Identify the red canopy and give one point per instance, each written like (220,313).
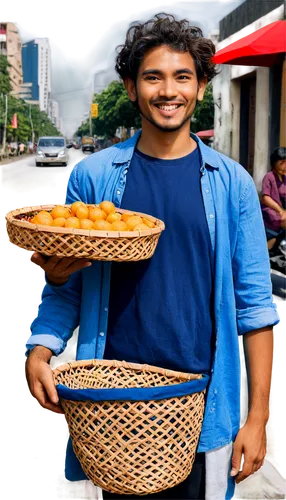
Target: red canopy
(261,48)
(205,133)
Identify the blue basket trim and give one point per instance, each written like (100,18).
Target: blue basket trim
(133,394)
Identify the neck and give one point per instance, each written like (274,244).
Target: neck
(165,145)
(280,176)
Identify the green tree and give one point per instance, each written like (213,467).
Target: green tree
(5,84)
(114,110)
(203,117)
(42,125)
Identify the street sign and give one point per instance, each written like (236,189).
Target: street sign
(94,110)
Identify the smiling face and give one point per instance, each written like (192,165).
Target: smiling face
(166,89)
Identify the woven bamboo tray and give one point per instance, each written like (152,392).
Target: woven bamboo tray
(94,245)
(126,442)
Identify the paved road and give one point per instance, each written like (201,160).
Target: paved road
(27,175)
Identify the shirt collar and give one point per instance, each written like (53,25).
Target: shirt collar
(125,151)
(277,178)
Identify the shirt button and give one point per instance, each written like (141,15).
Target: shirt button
(215,391)
(207,190)
(106,309)
(118,191)
(125,171)
(101,334)
(211,216)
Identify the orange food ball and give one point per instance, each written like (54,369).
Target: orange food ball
(102,225)
(141,227)
(148,222)
(113,217)
(133,221)
(96,214)
(82,212)
(126,216)
(44,218)
(60,211)
(107,206)
(75,206)
(86,224)
(119,225)
(59,222)
(72,222)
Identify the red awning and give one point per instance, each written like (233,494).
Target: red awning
(203,134)
(264,47)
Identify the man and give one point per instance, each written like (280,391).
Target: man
(208,281)
(22,148)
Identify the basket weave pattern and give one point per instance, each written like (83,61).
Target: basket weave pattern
(95,245)
(132,447)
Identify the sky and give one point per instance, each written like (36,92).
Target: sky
(83,38)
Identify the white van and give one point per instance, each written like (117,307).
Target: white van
(52,150)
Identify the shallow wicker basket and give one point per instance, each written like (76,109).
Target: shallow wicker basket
(95,245)
(134,428)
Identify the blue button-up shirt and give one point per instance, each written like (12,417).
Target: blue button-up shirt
(243,292)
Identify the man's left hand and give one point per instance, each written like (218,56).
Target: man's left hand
(250,442)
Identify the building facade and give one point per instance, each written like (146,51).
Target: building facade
(10,46)
(36,57)
(61,126)
(248,99)
(55,113)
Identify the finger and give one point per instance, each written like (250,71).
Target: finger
(38,259)
(76,266)
(65,262)
(39,393)
(49,387)
(236,459)
(258,465)
(51,263)
(54,408)
(247,470)
(41,396)
(46,403)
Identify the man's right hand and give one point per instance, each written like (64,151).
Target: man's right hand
(40,379)
(59,269)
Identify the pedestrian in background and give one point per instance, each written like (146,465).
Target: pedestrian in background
(273,200)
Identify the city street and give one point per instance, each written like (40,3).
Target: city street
(28,175)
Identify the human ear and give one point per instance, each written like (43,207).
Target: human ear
(130,89)
(201,88)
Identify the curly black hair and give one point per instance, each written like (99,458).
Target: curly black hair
(164,29)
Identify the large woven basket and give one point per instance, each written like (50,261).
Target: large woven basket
(134,428)
(95,245)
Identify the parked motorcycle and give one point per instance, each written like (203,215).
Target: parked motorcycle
(277,254)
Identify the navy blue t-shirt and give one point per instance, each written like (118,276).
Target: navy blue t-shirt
(161,309)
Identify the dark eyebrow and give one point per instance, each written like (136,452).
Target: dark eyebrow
(158,72)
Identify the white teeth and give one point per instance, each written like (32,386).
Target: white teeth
(168,107)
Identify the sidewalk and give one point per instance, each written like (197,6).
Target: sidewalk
(15,159)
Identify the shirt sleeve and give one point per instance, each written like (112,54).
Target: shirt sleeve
(59,311)
(251,269)
(266,186)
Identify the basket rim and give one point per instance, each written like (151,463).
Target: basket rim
(10,217)
(133,366)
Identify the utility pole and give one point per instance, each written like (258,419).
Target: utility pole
(32,126)
(99,70)
(92,92)
(5,124)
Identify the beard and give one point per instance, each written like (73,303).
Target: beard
(159,126)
